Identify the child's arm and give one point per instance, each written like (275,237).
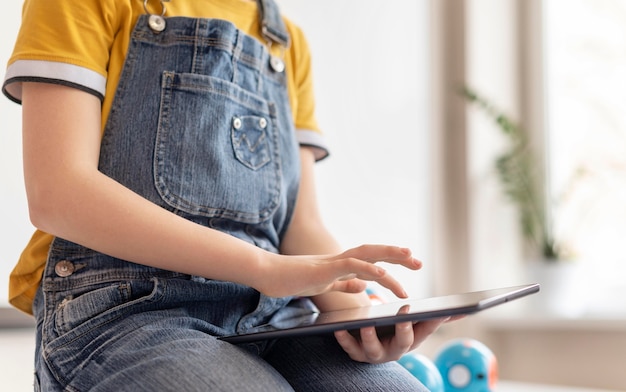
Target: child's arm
(307,234)
(68,197)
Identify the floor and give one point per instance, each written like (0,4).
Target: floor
(508,386)
(16,362)
(16,369)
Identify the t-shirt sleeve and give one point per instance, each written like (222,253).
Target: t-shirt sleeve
(64,42)
(303,97)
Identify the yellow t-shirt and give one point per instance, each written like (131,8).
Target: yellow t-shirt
(83,43)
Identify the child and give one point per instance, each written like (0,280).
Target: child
(168,161)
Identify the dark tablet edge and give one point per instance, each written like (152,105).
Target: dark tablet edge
(522,291)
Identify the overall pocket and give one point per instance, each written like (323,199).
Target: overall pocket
(81,326)
(103,304)
(216,152)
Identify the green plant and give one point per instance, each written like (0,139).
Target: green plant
(520,177)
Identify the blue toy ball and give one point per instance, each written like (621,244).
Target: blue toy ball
(424,370)
(467,365)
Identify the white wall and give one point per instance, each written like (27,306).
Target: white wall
(370,63)
(15,229)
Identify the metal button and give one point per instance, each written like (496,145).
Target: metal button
(156,23)
(64,268)
(277,64)
(262,123)
(237,123)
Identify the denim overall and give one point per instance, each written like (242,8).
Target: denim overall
(201,126)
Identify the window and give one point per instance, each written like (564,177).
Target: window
(585,76)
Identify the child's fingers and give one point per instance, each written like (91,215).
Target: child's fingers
(363,270)
(387,253)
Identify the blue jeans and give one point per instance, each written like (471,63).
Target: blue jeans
(200,126)
(159,334)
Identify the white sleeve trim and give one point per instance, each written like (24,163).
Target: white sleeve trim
(315,140)
(52,72)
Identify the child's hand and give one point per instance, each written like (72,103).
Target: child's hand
(371,348)
(346,272)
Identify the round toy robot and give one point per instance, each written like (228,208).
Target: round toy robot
(375,298)
(424,370)
(467,365)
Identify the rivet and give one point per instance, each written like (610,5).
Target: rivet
(237,123)
(64,268)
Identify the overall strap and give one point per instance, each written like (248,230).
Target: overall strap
(272,26)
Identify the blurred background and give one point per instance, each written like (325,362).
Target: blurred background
(487,135)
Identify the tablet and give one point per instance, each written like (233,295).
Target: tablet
(296,321)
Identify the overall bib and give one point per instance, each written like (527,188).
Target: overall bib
(201,126)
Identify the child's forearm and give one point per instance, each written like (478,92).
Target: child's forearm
(68,197)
